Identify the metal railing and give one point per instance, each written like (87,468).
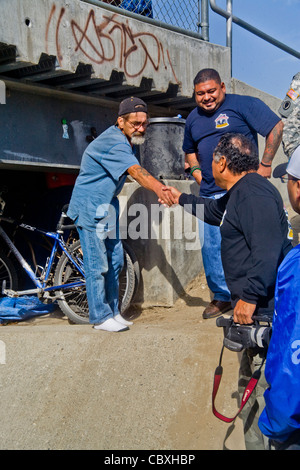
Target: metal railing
(234,19)
(180,15)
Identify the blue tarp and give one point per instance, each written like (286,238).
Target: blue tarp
(22,308)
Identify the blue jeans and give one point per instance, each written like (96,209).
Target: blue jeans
(103,261)
(210,239)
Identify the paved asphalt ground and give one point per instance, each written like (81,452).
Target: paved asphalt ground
(69,387)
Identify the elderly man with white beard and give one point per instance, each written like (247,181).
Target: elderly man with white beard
(94,208)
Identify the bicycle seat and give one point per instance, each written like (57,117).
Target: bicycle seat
(65,208)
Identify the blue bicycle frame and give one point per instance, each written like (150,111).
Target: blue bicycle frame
(41,282)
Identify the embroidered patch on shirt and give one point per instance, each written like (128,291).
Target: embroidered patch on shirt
(221,121)
(292,94)
(290,234)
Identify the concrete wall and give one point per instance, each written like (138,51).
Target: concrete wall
(77,32)
(31,131)
(165,241)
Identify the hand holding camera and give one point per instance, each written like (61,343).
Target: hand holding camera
(238,337)
(243,312)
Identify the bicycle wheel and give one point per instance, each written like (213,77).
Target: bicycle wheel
(136,267)
(73,300)
(127,281)
(8,273)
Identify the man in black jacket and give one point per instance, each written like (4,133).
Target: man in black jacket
(254,241)
(253,226)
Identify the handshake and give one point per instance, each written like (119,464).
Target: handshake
(169,196)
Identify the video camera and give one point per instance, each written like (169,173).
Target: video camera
(238,337)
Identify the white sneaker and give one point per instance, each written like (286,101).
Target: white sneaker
(122,320)
(111,325)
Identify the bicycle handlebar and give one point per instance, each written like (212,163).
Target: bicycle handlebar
(61,225)
(67,227)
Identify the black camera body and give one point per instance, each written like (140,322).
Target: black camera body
(238,337)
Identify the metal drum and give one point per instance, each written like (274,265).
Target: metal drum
(162,153)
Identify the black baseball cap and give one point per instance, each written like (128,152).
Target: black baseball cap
(292,167)
(280,170)
(132,105)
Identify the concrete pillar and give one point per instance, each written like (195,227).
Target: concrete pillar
(165,241)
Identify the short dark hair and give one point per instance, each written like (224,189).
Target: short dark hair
(207,74)
(240,152)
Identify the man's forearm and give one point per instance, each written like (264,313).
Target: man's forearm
(193,162)
(206,209)
(273,140)
(145,179)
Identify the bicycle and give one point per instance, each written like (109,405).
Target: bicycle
(62,277)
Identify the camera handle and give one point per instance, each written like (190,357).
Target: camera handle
(246,395)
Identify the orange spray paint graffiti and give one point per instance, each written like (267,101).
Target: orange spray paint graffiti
(110,40)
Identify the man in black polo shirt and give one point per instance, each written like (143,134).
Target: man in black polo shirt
(253,226)
(254,241)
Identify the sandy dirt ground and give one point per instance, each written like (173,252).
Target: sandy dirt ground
(66,387)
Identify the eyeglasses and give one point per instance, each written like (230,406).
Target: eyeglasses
(137,125)
(284,178)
